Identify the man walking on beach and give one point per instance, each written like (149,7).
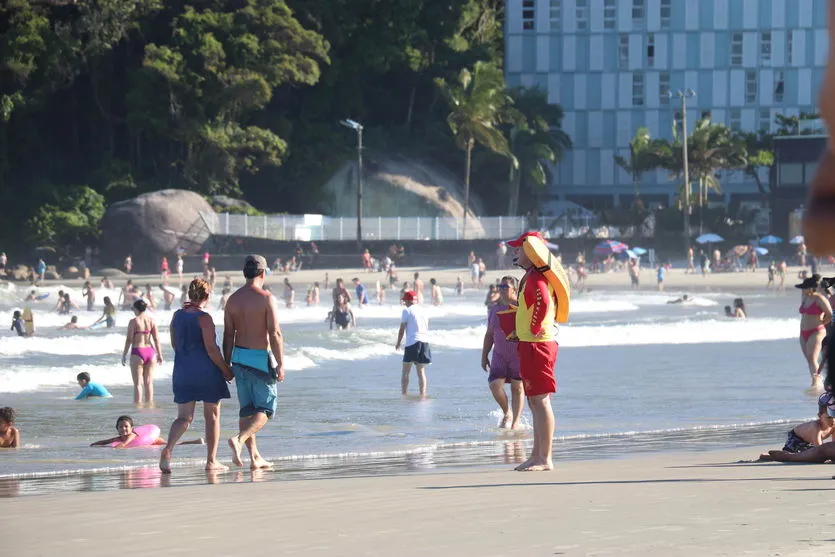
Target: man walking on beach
(251,335)
(536,330)
(415,325)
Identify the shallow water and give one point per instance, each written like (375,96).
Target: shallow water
(635,375)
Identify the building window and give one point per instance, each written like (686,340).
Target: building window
(789,46)
(528,14)
(664,87)
(791,174)
(638,14)
(623,51)
(637,89)
(651,50)
(736,50)
(610,14)
(765,120)
(735,119)
(666,13)
(556,15)
(765,48)
(750,86)
(779,86)
(582,14)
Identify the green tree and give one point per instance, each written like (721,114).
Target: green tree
(478,103)
(759,149)
(712,149)
(536,137)
(643,157)
(70,221)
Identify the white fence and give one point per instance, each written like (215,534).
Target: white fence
(307,228)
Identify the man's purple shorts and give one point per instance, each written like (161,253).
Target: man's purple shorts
(504,368)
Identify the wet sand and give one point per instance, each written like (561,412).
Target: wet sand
(665,505)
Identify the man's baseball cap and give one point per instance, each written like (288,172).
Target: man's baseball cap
(517,243)
(409,296)
(255,263)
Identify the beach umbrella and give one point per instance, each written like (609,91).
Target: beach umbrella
(761,251)
(797,240)
(639,251)
(709,238)
(630,254)
(609,247)
(767,240)
(740,250)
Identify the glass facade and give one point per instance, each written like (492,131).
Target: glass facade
(611,63)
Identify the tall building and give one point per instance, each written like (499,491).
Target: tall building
(611,64)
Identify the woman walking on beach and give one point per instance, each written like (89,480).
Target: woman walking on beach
(200,374)
(815,314)
(145,352)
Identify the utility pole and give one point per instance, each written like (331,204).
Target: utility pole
(357,127)
(683,96)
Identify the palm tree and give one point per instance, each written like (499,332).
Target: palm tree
(712,148)
(643,157)
(478,103)
(535,137)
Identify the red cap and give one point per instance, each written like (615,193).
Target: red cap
(517,243)
(409,296)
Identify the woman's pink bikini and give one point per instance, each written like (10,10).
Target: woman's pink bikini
(146,353)
(806,334)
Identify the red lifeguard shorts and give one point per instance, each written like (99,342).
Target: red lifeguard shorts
(536,365)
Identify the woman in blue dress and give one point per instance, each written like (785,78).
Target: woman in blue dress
(200,374)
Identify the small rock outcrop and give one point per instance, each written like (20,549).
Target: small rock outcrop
(152,225)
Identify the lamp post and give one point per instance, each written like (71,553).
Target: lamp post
(683,96)
(357,127)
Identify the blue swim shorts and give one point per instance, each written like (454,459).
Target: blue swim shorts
(257,391)
(417,353)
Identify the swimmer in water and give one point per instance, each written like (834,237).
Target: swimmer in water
(73,324)
(9,434)
(124,425)
(680,300)
(341,314)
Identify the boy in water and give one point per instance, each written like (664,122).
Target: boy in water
(90,389)
(9,435)
(808,435)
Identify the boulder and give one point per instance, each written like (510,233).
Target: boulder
(152,225)
(52,275)
(72,272)
(21,272)
(112,273)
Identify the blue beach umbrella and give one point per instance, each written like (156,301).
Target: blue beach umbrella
(761,251)
(769,240)
(709,238)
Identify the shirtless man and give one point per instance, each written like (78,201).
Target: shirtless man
(418,287)
(251,334)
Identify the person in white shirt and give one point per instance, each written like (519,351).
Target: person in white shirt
(415,325)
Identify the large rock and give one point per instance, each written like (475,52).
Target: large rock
(152,225)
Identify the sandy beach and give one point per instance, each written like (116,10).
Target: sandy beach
(672,505)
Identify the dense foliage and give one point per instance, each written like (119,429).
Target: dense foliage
(221,96)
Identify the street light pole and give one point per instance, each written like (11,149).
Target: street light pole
(683,96)
(357,127)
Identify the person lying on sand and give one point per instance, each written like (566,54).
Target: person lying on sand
(805,442)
